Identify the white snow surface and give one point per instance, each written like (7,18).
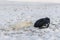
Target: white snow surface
(13,13)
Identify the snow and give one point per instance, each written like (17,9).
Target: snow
(10,14)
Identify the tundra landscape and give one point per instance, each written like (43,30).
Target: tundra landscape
(17,20)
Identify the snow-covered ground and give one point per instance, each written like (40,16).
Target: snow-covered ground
(10,14)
